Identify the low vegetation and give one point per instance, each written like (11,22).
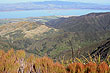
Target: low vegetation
(17,62)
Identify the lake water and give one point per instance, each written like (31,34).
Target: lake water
(36,13)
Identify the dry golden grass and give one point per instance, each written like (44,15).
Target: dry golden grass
(16,62)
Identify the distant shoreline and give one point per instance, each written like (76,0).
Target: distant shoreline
(49,9)
(40,13)
(52,5)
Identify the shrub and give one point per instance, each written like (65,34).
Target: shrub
(16,62)
(103,67)
(91,67)
(76,68)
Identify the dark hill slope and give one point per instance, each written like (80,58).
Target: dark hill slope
(103,50)
(90,23)
(87,26)
(91,28)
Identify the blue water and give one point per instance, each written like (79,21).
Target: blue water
(36,13)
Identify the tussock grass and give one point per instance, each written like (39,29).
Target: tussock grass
(16,62)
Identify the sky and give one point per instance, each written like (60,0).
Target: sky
(86,1)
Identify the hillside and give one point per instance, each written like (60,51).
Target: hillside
(23,29)
(91,27)
(86,25)
(51,5)
(89,22)
(42,19)
(59,36)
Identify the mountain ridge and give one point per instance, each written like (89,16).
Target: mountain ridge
(99,19)
(49,5)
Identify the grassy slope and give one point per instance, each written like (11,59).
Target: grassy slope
(83,31)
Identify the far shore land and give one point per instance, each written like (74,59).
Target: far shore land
(50,9)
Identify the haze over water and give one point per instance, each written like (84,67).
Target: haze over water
(37,13)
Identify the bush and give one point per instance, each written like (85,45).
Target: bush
(16,62)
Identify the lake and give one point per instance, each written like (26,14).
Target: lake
(37,13)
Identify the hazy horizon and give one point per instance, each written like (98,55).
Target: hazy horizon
(85,1)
